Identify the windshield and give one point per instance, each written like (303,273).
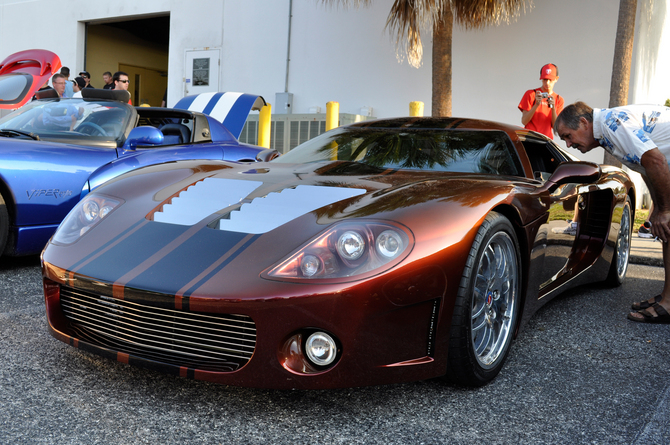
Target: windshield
(465,151)
(77,120)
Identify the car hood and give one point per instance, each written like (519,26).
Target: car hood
(258,198)
(23,73)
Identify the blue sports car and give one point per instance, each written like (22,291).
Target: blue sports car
(53,151)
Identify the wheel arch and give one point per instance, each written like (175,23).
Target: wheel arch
(10,205)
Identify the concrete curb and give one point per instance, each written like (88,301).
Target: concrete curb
(646,260)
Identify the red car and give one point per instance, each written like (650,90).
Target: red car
(379,252)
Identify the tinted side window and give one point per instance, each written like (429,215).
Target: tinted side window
(543,160)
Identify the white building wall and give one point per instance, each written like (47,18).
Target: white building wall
(345,55)
(651,64)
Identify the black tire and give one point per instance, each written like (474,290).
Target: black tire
(619,266)
(487,305)
(4,224)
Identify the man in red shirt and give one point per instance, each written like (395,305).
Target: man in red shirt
(540,106)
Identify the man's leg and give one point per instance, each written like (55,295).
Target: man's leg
(665,294)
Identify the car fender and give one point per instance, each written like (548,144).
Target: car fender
(48,196)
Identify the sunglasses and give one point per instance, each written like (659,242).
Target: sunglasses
(124,81)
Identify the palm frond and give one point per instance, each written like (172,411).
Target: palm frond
(409,17)
(479,13)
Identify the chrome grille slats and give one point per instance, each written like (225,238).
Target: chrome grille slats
(84,312)
(221,342)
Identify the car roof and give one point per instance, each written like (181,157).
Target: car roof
(447,123)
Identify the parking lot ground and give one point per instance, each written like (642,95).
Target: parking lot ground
(579,373)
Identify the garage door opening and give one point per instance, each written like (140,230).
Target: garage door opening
(138,47)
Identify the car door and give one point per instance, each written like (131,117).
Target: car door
(556,247)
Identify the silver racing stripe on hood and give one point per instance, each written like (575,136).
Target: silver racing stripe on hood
(204,198)
(258,216)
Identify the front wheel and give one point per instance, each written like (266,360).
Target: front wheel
(487,305)
(619,265)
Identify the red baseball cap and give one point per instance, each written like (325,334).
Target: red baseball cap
(549,71)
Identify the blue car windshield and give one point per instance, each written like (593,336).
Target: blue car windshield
(464,151)
(80,121)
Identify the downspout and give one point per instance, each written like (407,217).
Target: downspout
(288,44)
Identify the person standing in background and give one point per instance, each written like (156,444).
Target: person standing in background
(121,82)
(87,77)
(65,71)
(540,106)
(109,81)
(58,81)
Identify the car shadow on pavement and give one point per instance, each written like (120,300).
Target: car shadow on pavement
(8,262)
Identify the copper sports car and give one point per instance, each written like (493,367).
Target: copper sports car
(379,252)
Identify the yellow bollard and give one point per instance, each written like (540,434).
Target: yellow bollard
(265,126)
(416,109)
(332,115)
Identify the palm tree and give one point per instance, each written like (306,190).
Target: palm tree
(623,54)
(409,17)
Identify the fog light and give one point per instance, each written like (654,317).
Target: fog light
(321,349)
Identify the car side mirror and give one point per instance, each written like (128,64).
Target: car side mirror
(267,155)
(145,135)
(572,172)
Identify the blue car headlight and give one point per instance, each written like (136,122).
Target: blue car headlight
(83,217)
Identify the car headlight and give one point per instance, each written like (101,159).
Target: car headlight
(83,217)
(346,250)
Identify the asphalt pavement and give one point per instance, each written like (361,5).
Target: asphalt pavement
(579,373)
(646,251)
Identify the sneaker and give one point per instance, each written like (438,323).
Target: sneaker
(644,232)
(570,230)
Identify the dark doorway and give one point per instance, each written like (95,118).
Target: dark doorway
(138,47)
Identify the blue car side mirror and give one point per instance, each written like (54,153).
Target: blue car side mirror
(143,136)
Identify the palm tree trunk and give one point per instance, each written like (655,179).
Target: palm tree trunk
(623,55)
(442,35)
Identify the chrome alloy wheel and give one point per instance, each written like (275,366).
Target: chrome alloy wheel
(623,244)
(495,299)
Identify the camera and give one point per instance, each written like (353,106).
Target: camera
(544,95)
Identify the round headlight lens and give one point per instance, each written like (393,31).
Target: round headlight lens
(321,349)
(389,243)
(310,265)
(105,210)
(91,210)
(350,245)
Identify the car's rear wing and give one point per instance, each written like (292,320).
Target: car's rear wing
(23,73)
(231,109)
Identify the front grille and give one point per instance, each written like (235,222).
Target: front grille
(212,342)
